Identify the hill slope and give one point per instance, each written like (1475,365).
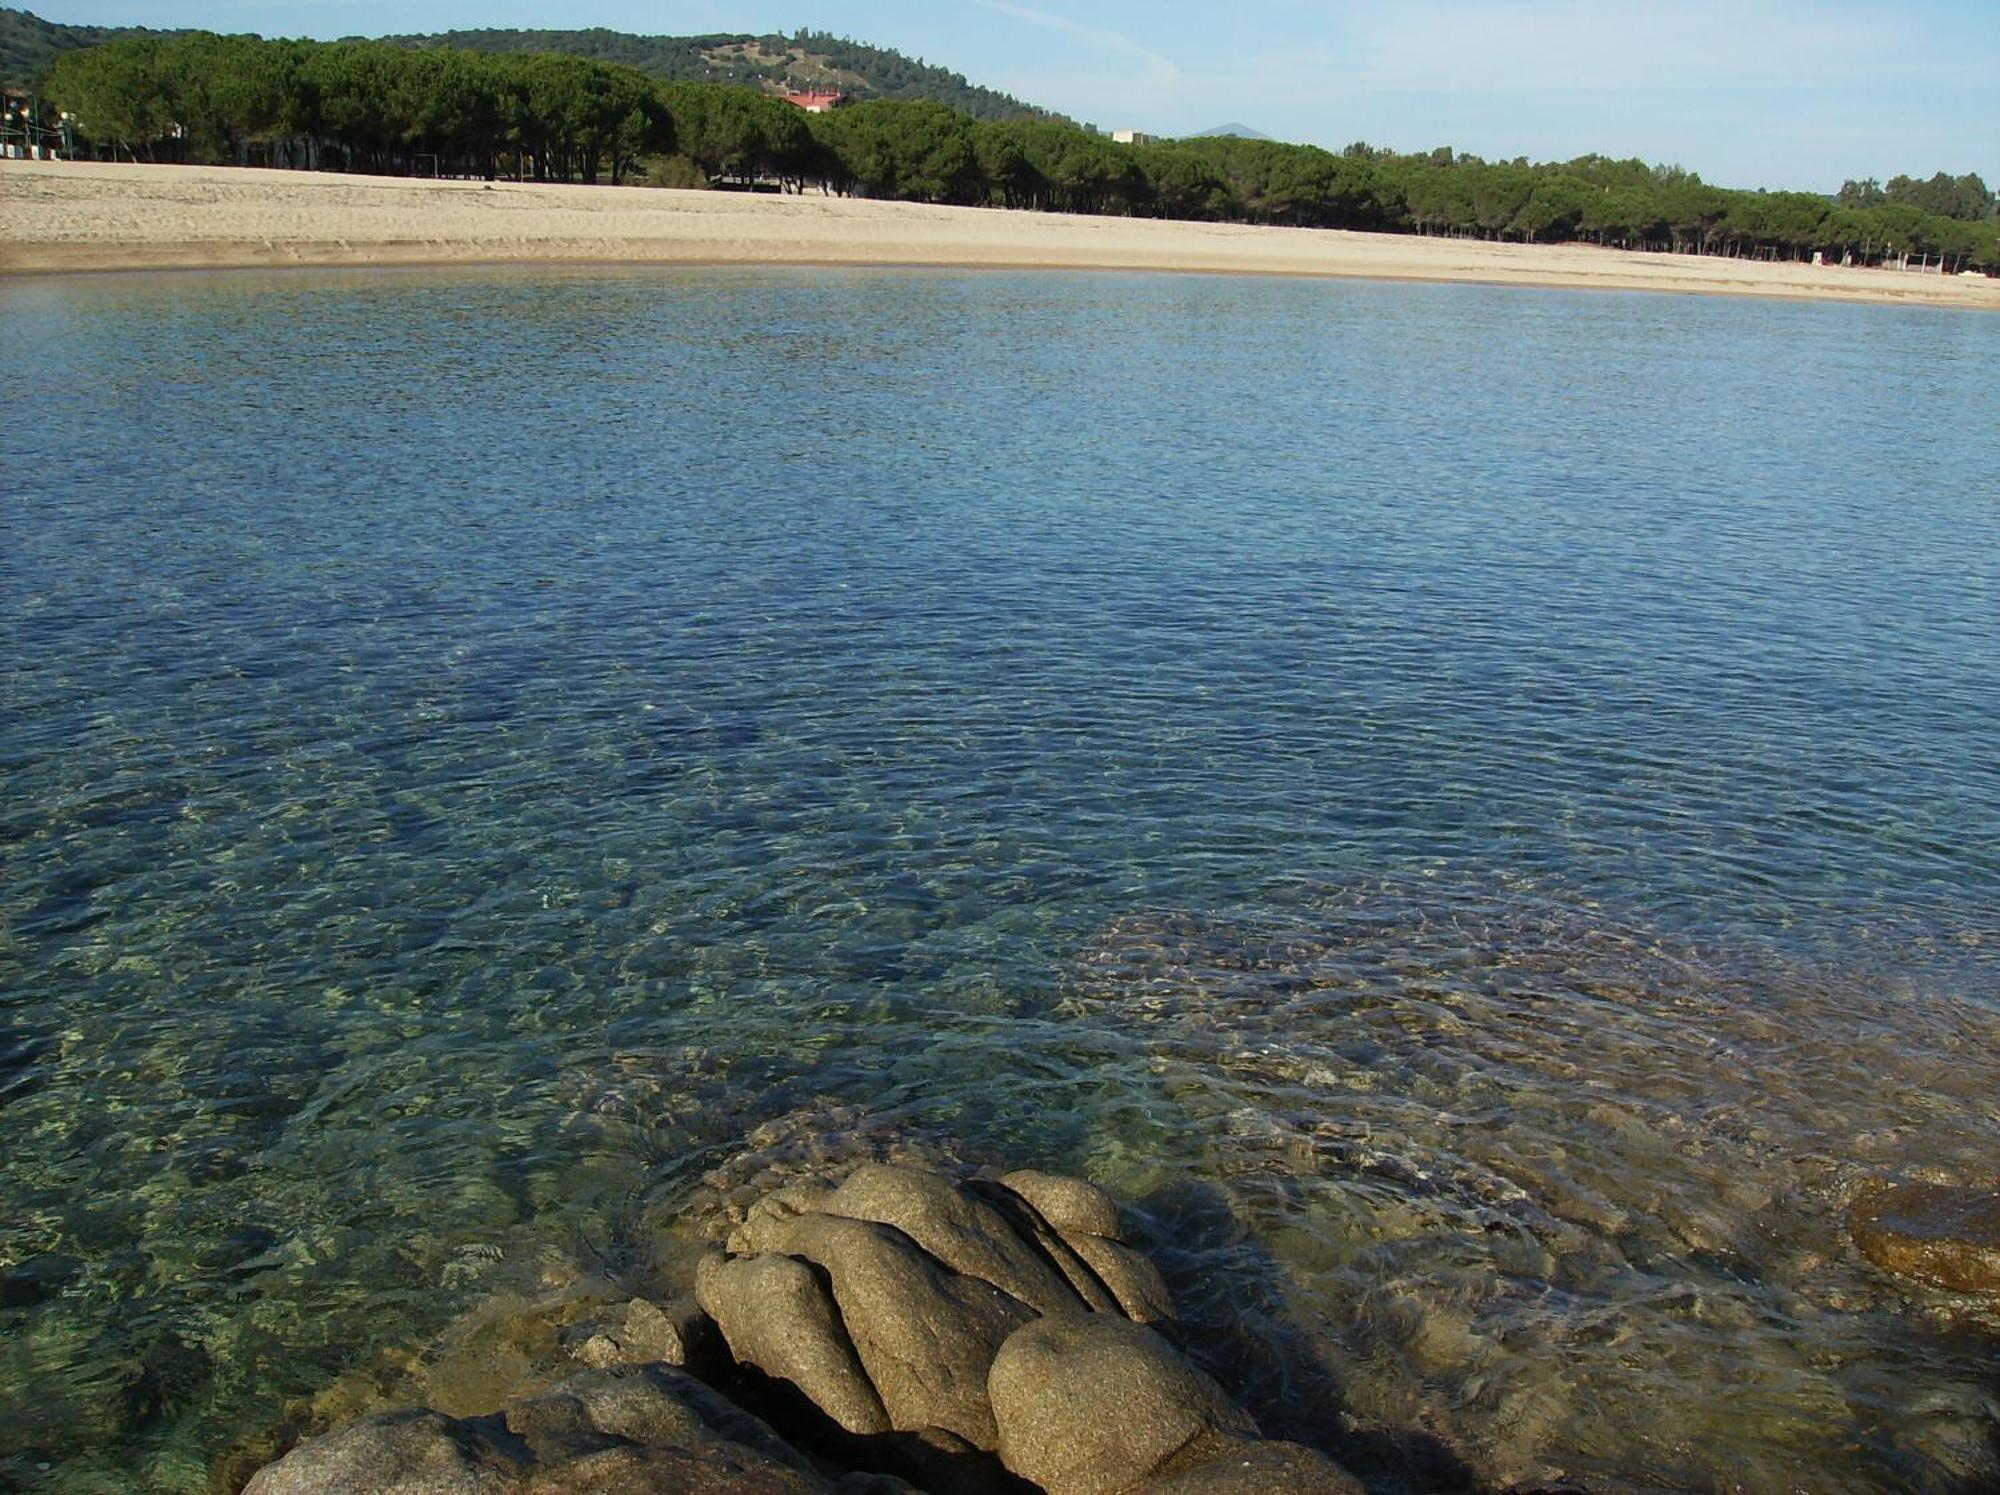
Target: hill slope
(28,44)
(771,62)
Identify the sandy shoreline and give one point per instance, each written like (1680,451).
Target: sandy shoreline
(58,217)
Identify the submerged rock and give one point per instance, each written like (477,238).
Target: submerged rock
(633,1429)
(640,1332)
(1947,1237)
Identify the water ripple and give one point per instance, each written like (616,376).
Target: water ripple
(1477,806)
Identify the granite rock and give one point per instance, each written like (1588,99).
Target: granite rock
(972,1335)
(641,1332)
(925,1335)
(635,1429)
(1096,1405)
(955,1226)
(1242,1467)
(776,1314)
(1070,1205)
(415,1452)
(1130,1276)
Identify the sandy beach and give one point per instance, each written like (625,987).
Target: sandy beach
(58,217)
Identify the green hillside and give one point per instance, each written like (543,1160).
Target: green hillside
(773,63)
(29,44)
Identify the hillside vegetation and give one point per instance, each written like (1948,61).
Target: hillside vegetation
(772,63)
(372,106)
(29,45)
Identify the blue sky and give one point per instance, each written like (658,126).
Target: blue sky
(1747,92)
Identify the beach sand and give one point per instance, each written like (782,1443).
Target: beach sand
(79,216)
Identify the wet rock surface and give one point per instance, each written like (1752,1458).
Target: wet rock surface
(639,1332)
(1944,1236)
(906,1328)
(641,1428)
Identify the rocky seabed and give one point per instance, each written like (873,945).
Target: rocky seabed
(900,1329)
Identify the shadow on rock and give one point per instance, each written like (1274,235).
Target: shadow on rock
(931,1459)
(885,1327)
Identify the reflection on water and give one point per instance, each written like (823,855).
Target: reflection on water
(1475,807)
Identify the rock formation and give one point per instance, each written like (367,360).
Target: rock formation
(972,1334)
(620,1432)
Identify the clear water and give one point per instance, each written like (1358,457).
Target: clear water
(1481,807)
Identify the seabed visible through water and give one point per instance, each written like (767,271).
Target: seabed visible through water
(1472,809)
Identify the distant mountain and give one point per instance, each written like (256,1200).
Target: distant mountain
(28,44)
(1241,132)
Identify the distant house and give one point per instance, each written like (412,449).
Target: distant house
(1133,137)
(817,100)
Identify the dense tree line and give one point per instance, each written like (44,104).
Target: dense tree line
(1962,197)
(29,44)
(372,106)
(362,106)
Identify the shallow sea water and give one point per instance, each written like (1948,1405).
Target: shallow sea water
(1479,809)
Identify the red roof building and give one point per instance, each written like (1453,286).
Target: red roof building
(817,100)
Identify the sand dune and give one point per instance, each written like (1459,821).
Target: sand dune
(75,216)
